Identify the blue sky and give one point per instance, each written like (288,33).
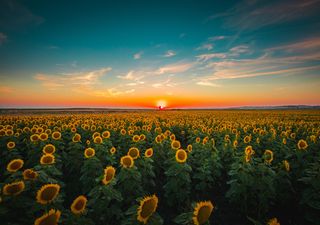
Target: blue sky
(207,53)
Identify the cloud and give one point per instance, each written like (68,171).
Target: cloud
(207,83)
(206,46)
(115,92)
(170,53)
(138,55)
(166,83)
(240,49)
(206,57)
(174,68)
(3,38)
(14,15)
(216,38)
(83,79)
(304,45)
(133,76)
(252,15)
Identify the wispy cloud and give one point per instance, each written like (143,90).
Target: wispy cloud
(3,38)
(138,55)
(216,38)
(205,46)
(304,45)
(206,57)
(174,68)
(251,15)
(83,79)
(170,53)
(240,49)
(207,83)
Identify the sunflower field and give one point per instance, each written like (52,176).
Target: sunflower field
(161,167)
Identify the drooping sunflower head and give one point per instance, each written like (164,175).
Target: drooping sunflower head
(76,138)
(47,159)
(302,144)
(98,140)
(78,205)
(50,218)
(202,212)
(89,152)
(15,165)
(14,188)
(30,174)
(181,156)
(127,161)
(49,149)
(113,150)
(109,173)
(273,221)
(56,135)
(268,156)
(48,193)
(106,134)
(148,153)
(135,138)
(43,136)
(286,165)
(11,145)
(134,152)
(147,207)
(175,144)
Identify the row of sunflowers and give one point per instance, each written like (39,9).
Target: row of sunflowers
(167,167)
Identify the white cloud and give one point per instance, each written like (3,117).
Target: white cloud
(206,57)
(138,55)
(206,46)
(216,38)
(174,68)
(207,83)
(82,79)
(170,53)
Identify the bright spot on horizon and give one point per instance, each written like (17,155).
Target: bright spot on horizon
(161,104)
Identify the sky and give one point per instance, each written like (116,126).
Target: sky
(142,53)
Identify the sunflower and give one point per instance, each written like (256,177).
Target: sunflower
(95,134)
(30,174)
(175,144)
(142,137)
(181,156)
(135,138)
(172,137)
(235,143)
(158,139)
(43,136)
(15,165)
(14,188)
(79,205)
(76,138)
(189,148)
(148,153)
(273,221)
(89,152)
(202,212)
(293,135)
(9,132)
(106,134)
(56,135)
(302,144)
(49,149)
(249,150)
(123,131)
(98,140)
(198,139)
(47,159)
(47,193)
(34,137)
(50,218)
(247,139)
(284,141)
(268,156)
(127,161)
(109,173)
(286,165)
(113,150)
(11,145)
(134,152)
(147,207)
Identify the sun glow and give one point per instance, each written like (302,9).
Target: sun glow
(161,104)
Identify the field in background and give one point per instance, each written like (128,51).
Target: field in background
(160,167)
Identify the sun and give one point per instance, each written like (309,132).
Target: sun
(161,104)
